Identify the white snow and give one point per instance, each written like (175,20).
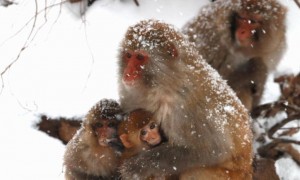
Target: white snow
(71,64)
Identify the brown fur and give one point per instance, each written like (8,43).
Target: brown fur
(206,125)
(84,157)
(212,30)
(61,128)
(264,169)
(131,127)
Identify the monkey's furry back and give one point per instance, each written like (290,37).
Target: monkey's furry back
(188,97)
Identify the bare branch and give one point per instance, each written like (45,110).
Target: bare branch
(6,3)
(29,39)
(281,124)
(297,2)
(289,149)
(90,50)
(32,18)
(137,3)
(23,47)
(277,148)
(270,109)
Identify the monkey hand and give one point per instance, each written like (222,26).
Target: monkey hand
(156,162)
(136,168)
(115,144)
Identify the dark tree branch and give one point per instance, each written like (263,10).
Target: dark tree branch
(136,2)
(297,2)
(277,126)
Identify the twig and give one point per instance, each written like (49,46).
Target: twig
(288,148)
(6,3)
(282,123)
(137,3)
(60,10)
(271,149)
(297,2)
(23,47)
(29,39)
(270,107)
(90,50)
(32,18)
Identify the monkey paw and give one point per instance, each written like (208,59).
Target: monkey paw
(129,170)
(136,168)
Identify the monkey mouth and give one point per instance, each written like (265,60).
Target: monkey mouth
(245,43)
(103,143)
(154,142)
(111,140)
(130,79)
(106,142)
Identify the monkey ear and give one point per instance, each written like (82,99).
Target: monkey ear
(125,140)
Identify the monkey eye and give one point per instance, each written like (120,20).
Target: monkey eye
(98,125)
(251,21)
(140,57)
(143,132)
(152,125)
(111,124)
(128,55)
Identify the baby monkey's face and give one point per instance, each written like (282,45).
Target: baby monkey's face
(150,134)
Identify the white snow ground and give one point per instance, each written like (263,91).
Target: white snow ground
(70,65)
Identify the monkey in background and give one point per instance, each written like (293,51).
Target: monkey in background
(94,152)
(207,128)
(243,40)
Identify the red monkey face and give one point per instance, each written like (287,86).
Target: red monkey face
(247,29)
(145,51)
(106,131)
(150,134)
(135,62)
(258,27)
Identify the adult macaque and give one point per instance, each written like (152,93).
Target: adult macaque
(206,126)
(243,40)
(93,152)
(138,132)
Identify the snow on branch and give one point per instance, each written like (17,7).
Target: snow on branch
(279,139)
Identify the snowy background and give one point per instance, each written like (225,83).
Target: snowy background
(70,63)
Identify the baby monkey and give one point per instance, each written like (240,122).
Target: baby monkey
(138,132)
(94,152)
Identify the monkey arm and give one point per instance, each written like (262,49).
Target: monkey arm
(248,82)
(162,160)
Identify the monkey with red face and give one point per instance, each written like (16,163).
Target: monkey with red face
(94,152)
(243,40)
(207,127)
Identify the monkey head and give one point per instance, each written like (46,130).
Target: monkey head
(256,24)
(102,120)
(146,46)
(138,129)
